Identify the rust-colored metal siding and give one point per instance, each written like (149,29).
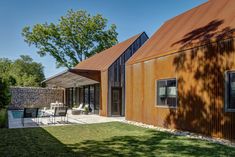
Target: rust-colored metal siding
(192,28)
(200,74)
(103,60)
(104,93)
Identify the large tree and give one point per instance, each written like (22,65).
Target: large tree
(21,72)
(76,36)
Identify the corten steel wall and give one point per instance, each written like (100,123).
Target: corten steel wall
(104,93)
(201,77)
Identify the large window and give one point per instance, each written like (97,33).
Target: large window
(167,92)
(230,91)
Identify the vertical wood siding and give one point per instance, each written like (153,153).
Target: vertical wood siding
(200,103)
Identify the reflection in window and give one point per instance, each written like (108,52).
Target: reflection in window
(230,91)
(167,93)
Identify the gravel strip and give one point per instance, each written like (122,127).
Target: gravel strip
(182,133)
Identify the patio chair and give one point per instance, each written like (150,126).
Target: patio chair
(60,112)
(77,111)
(83,108)
(56,104)
(29,113)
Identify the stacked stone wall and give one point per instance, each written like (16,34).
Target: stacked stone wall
(34,97)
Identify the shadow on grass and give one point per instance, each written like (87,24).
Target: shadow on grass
(31,142)
(153,144)
(39,142)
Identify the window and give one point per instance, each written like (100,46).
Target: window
(92,99)
(86,95)
(167,93)
(230,91)
(97,97)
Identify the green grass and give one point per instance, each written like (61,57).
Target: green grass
(3,118)
(106,139)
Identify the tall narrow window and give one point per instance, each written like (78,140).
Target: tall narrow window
(97,97)
(86,95)
(230,92)
(92,98)
(167,92)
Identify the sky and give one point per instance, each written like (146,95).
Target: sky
(130,16)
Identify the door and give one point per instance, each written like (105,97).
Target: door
(116,101)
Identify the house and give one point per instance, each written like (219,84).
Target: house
(183,77)
(99,80)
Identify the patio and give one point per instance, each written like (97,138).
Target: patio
(72,119)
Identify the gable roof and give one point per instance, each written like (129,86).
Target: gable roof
(103,60)
(208,22)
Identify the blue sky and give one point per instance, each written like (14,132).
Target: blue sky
(130,16)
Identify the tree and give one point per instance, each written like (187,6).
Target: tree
(26,72)
(76,36)
(21,72)
(5,71)
(5,96)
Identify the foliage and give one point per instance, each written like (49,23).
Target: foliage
(86,109)
(5,96)
(3,118)
(105,139)
(76,36)
(21,72)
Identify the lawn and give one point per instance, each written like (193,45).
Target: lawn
(106,139)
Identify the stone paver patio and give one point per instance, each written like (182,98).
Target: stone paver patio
(72,119)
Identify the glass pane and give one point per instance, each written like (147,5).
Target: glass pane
(171,93)
(92,98)
(81,96)
(86,95)
(97,97)
(74,96)
(115,98)
(231,91)
(171,88)
(166,92)
(171,101)
(161,90)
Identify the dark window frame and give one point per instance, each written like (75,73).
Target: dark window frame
(227,92)
(156,93)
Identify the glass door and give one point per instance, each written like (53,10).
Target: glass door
(116,101)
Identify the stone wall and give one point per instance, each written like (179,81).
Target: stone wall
(34,97)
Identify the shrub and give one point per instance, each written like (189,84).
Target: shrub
(3,118)
(5,96)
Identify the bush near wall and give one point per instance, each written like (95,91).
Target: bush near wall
(3,118)
(34,97)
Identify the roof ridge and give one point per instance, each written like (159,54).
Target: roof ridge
(185,12)
(212,20)
(110,47)
(102,60)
